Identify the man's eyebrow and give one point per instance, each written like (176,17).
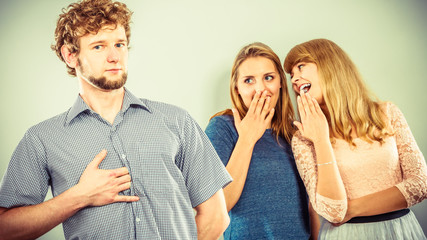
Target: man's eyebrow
(97,42)
(104,41)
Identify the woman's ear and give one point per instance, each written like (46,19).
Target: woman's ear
(69,57)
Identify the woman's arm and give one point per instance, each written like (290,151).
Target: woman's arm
(314,223)
(316,161)
(385,201)
(250,130)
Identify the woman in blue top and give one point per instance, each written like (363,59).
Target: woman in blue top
(267,198)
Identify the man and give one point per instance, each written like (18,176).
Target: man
(152,164)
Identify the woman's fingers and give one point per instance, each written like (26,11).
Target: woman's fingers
(307,102)
(301,109)
(266,109)
(236,116)
(317,106)
(299,126)
(254,103)
(261,102)
(270,115)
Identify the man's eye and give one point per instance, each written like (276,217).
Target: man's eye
(120,45)
(97,47)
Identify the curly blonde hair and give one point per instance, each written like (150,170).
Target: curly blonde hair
(348,101)
(281,123)
(88,17)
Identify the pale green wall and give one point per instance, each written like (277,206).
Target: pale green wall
(182,52)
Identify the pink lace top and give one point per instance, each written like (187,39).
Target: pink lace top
(368,168)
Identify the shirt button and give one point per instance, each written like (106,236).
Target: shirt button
(123,156)
(137,219)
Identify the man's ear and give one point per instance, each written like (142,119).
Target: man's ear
(69,57)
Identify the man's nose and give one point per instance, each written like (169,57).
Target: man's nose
(113,55)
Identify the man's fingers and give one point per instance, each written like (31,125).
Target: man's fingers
(119,171)
(123,186)
(123,179)
(98,159)
(124,198)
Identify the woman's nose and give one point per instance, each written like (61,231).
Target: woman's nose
(295,77)
(260,86)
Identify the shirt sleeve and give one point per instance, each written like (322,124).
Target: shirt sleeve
(412,162)
(26,180)
(201,167)
(305,157)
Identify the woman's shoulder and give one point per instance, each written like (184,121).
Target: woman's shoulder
(225,119)
(390,110)
(221,124)
(388,107)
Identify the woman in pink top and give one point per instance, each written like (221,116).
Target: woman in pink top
(356,155)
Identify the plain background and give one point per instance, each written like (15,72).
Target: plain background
(182,53)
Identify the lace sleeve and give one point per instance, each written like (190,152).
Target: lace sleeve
(412,162)
(305,157)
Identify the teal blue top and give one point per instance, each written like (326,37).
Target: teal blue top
(274,203)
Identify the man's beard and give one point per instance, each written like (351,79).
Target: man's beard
(103,82)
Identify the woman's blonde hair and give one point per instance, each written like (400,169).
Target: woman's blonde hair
(88,16)
(281,123)
(347,99)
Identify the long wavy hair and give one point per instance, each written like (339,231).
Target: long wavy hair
(281,123)
(348,101)
(84,17)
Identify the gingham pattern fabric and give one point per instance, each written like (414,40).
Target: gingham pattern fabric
(171,161)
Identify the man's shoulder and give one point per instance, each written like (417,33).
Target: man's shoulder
(48,125)
(163,108)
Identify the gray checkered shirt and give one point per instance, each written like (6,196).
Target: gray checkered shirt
(171,161)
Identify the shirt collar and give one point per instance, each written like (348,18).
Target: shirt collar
(129,100)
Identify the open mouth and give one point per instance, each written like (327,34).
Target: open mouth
(305,87)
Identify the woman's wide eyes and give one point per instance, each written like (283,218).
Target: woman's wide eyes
(248,80)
